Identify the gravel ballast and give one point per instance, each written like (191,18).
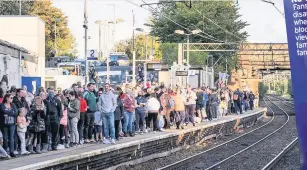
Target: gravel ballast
(192,150)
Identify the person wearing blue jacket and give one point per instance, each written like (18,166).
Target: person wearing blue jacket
(206,98)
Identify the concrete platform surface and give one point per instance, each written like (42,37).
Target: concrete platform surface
(87,153)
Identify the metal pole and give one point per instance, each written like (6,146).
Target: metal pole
(85,41)
(114,22)
(19,7)
(107,54)
(188,57)
(133,58)
(100,55)
(55,46)
(188,49)
(226,64)
(145,64)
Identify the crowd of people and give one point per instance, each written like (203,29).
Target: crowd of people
(54,119)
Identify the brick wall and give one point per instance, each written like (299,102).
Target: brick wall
(143,149)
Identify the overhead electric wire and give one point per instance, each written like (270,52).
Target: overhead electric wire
(200,29)
(183,26)
(218,25)
(172,21)
(269,1)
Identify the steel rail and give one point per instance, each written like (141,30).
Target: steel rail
(243,150)
(286,149)
(193,156)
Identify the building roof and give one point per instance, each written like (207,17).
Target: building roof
(5,43)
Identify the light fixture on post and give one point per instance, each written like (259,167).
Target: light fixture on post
(181,32)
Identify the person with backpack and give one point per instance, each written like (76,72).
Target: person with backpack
(237,101)
(37,125)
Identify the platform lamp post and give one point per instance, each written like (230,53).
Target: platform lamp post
(188,40)
(100,22)
(146,51)
(181,32)
(55,34)
(106,23)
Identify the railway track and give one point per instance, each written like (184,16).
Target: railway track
(233,153)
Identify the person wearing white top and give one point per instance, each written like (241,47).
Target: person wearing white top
(152,107)
(190,106)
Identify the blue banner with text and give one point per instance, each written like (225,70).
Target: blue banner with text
(296,22)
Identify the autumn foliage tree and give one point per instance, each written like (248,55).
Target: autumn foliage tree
(65,42)
(140,47)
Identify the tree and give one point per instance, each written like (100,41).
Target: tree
(262,89)
(200,16)
(290,92)
(140,46)
(65,42)
(170,54)
(12,7)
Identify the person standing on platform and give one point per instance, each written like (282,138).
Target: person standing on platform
(152,107)
(208,111)
(73,116)
(251,100)
(190,106)
(179,109)
(200,103)
(22,125)
(237,101)
(8,116)
(118,113)
(214,105)
(129,106)
(107,105)
(140,113)
(83,108)
(55,113)
(90,98)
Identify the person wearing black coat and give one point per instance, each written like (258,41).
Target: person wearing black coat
(54,113)
(118,115)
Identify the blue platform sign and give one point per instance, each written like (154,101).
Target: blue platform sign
(296,22)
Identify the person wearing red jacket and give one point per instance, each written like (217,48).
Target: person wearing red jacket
(83,108)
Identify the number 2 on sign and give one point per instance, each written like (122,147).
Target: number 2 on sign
(92,53)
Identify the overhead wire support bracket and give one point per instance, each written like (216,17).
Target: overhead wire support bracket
(170,1)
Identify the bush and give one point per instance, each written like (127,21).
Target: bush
(290,92)
(262,90)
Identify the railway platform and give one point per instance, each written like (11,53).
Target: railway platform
(131,150)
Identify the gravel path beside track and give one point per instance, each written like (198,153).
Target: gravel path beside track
(290,161)
(184,153)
